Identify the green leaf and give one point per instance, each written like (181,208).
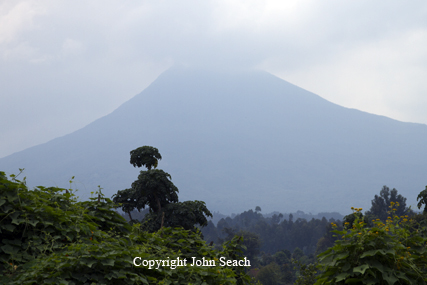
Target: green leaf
(342,255)
(10,228)
(341,277)
(390,278)
(15,220)
(361,269)
(89,263)
(33,223)
(372,253)
(10,249)
(109,262)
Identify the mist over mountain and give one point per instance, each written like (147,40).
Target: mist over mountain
(238,140)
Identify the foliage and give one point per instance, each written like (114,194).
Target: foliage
(306,273)
(154,189)
(147,156)
(181,214)
(269,274)
(386,253)
(50,238)
(423,200)
(349,220)
(46,219)
(274,235)
(298,253)
(328,238)
(251,242)
(127,200)
(379,208)
(110,261)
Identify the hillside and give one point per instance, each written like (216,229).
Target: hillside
(237,141)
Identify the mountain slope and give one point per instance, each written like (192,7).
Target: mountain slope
(238,141)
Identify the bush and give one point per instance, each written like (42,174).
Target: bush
(50,238)
(386,253)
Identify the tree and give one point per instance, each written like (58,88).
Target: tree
(147,156)
(423,200)
(252,242)
(180,214)
(269,275)
(154,189)
(126,199)
(48,237)
(380,204)
(298,253)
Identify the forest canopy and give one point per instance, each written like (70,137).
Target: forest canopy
(50,237)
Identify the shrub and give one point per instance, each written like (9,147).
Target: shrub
(48,237)
(386,253)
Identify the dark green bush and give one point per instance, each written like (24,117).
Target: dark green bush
(50,238)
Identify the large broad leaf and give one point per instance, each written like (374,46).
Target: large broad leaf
(353,281)
(390,278)
(342,255)
(402,276)
(375,264)
(377,251)
(33,222)
(88,262)
(15,218)
(9,227)
(341,277)
(10,249)
(109,262)
(361,269)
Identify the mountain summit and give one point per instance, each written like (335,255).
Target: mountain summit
(236,141)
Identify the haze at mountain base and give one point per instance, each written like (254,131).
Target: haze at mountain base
(236,141)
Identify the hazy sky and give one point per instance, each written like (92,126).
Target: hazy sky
(64,64)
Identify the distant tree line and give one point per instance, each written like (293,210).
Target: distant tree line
(275,233)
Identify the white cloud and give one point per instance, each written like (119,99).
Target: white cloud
(84,58)
(382,77)
(72,47)
(16,18)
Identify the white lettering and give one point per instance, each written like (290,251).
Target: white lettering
(134,263)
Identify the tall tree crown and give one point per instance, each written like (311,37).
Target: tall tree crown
(154,189)
(381,204)
(147,156)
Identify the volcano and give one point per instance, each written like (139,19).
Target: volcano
(237,141)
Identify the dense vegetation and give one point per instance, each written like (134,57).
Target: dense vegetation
(49,237)
(386,245)
(276,233)
(155,190)
(284,251)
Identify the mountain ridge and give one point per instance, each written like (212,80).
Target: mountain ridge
(237,141)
